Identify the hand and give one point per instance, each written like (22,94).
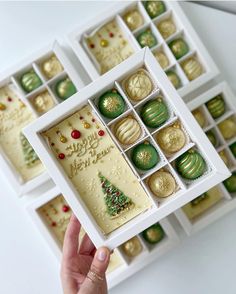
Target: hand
(83,267)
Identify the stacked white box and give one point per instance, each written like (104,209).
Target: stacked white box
(184,29)
(11,77)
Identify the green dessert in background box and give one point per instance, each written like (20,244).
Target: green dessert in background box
(174,78)
(212,138)
(230,183)
(216,106)
(30,81)
(147,38)
(233,149)
(153,234)
(65,88)
(191,165)
(154,8)
(179,47)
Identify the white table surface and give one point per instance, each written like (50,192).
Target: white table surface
(204,263)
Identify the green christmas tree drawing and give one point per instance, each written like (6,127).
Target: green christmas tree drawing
(115,200)
(29,154)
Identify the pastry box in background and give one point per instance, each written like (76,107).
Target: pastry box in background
(215,111)
(160,25)
(27,91)
(126,151)
(51,214)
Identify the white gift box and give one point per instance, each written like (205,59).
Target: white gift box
(125,267)
(228,200)
(216,171)
(183,29)
(11,78)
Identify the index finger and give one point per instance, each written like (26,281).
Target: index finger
(71,240)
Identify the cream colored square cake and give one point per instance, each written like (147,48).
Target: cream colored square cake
(109,46)
(14,116)
(97,169)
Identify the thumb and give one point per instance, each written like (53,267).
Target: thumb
(95,281)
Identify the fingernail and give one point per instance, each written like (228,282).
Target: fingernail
(102,254)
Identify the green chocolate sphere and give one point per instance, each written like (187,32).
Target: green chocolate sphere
(111,104)
(144,156)
(174,78)
(30,81)
(179,48)
(154,113)
(147,38)
(153,234)
(230,183)
(233,148)
(154,8)
(65,88)
(216,106)
(211,136)
(190,165)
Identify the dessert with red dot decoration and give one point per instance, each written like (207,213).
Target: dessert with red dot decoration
(56,215)
(95,166)
(14,147)
(57,211)
(108,45)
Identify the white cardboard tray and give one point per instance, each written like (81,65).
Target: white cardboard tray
(216,171)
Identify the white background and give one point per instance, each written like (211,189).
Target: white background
(203,264)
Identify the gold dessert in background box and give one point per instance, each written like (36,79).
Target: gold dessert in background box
(97,169)
(14,116)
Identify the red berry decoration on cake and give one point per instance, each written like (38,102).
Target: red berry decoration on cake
(101,133)
(75,134)
(61,155)
(65,208)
